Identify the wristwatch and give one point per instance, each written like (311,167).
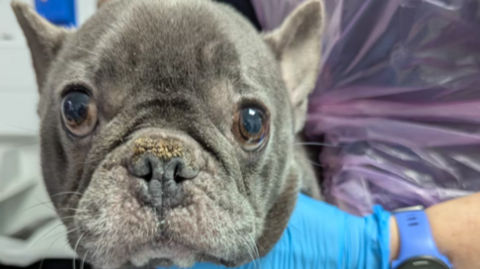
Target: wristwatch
(417,246)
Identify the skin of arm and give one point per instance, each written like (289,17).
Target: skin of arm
(455,226)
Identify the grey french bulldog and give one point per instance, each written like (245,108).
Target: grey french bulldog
(169,129)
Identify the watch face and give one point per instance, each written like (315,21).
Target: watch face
(423,263)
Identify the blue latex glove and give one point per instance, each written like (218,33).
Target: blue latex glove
(321,236)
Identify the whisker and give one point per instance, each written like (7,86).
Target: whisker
(37,205)
(73,209)
(314,144)
(14,146)
(53,208)
(311,162)
(66,233)
(87,51)
(18,127)
(250,251)
(41,237)
(41,263)
(257,253)
(66,193)
(76,248)
(252,255)
(51,245)
(83,260)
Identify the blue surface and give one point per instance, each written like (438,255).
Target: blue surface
(59,12)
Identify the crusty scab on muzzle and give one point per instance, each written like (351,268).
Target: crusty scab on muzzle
(169,129)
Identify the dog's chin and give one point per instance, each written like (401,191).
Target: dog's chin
(166,256)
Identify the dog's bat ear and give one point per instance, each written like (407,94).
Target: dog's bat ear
(43,38)
(101,2)
(297,46)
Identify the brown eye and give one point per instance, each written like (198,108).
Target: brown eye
(251,128)
(79,113)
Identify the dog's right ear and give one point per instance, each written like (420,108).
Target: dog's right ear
(44,39)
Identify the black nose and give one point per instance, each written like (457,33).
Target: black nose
(150,167)
(163,178)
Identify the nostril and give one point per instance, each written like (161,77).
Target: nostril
(176,176)
(150,167)
(142,168)
(149,175)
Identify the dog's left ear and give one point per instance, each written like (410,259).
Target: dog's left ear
(296,44)
(44,39)
(101,2)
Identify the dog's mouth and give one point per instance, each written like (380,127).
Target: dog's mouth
(166,252)
(169,256)
(166,263)
(115,228)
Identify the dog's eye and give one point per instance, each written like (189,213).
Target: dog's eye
(79,113)
(251,128)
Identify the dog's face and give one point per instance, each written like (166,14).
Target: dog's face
(167,128)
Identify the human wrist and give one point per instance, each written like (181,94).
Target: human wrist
(413,239)
(394,239)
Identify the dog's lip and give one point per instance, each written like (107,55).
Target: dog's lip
(162,251)
(165,240)
(171,245)
(165,262)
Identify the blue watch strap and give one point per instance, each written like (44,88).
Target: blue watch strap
(416,238)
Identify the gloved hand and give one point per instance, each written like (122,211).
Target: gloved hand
(321,236)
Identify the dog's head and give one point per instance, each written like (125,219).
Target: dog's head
(167,128)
